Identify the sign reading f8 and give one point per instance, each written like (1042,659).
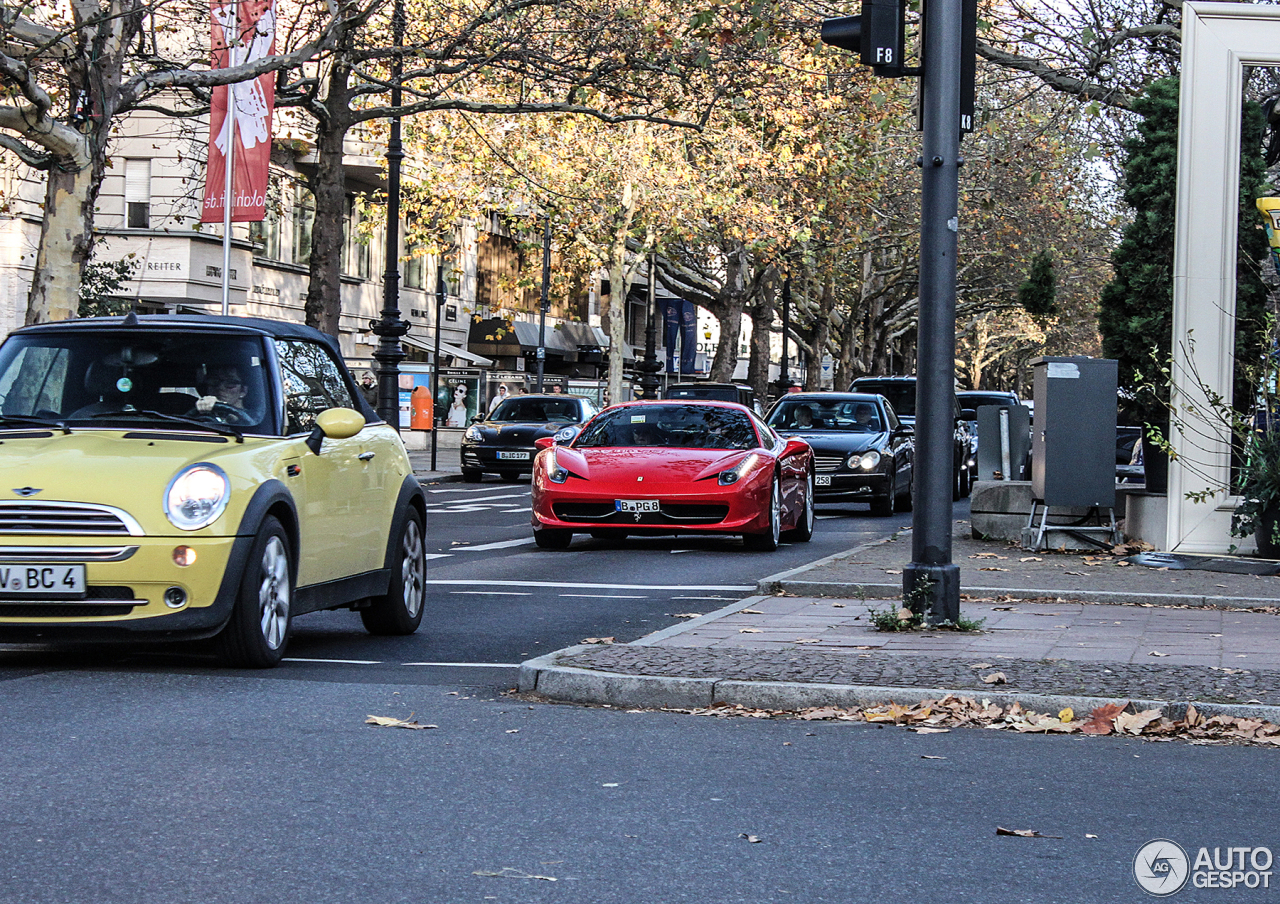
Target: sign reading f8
(878,35)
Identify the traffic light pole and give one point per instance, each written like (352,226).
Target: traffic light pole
(931,581)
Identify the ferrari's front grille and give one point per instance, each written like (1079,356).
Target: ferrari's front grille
(826,462)
(64,519)
(671,513)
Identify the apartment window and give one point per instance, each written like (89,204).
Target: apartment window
(415,268)
(304,217)
(137,194)
(266,235)
(355,246)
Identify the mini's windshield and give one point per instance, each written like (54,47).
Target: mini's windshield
(683,426)
(842,415)
(537,411)
(134,376)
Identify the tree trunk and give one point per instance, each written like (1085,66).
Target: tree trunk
(762,313)
(324,293)
(821,331)
(66,241)
(619,286)
(729,315)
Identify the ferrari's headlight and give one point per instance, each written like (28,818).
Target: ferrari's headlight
(742,469)
(555,473)
(865,460)
(473,434)
(196,496)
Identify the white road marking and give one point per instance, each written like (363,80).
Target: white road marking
(439,555)
(470,665)
(488,489)
(342,661)
(607,596)
(485,499)
(569,585)
(504,544)
(483,592)
(465,507)
(722,599)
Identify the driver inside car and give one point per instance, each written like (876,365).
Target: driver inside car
(224,388)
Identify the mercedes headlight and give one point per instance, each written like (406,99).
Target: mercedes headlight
(473,434)
(196,496)
(865,460)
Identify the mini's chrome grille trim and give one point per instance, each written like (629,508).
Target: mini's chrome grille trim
(65,519)
(66,553)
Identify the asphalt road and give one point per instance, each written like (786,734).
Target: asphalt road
(153,776)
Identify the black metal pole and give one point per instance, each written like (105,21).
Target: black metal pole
(389,328)
(649,367)
(546,298)
(784,374)
(931,578)
(435,361)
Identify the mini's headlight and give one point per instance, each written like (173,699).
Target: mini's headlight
(865,460)
(473,434)
(555,473)
(196,496)
(734,474)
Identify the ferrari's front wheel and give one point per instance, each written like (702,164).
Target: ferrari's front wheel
(803,531)
(399,610)
(768,541)
(552,538)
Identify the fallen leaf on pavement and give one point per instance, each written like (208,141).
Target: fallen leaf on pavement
(749,631)
(750,612)
(388,722)
(687,615)
(597,640)
(987,555)
(1083,574)
(1086,834)
(995,678)
(1133,723)
(1023,833)
(925,756)
(1157,653)
(806,640)
(1066,715)
(509,873)
(1031,559)
(925,729)
(752,839)
(1101,719)
(981,665)
(893,571)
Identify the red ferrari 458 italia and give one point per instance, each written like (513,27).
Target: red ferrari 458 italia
(673,467)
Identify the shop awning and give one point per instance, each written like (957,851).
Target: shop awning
(446,350)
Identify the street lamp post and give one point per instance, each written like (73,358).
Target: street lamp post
(435,360)
(390,327)
(649,367)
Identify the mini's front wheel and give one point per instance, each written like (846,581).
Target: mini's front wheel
(258,632)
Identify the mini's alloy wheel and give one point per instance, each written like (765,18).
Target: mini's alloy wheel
(258,631)
(399,610)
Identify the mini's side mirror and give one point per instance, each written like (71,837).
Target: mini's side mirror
(335,423)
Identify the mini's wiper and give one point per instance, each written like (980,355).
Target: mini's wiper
(221,429)
(25,420)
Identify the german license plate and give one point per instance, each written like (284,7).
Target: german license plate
(513,456)
(635,505)
(822,480)
(33,580)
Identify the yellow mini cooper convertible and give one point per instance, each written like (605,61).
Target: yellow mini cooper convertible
(180,477)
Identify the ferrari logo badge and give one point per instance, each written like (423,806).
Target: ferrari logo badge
(641,477)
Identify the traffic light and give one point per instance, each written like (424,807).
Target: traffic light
(878,35)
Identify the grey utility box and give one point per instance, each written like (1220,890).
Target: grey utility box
(1073,445)
(1003,447)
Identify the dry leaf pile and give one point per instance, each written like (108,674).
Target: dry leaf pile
(954,711)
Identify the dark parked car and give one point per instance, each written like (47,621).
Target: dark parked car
(717,392)
(862,451)
(970,401)
(502,443)
(901,393)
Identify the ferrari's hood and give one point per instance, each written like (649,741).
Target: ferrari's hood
(636,465)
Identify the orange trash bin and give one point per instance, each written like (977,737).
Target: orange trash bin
(421,408)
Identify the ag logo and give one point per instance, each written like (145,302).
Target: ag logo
(1161,867)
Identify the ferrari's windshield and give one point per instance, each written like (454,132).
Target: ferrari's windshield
(679,425)
(843,415)
(537,411)
(101,378)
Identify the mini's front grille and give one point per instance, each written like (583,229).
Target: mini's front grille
(66,553)
(64,519)
(826,462)
(671,513)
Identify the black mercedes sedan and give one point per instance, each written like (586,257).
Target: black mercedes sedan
(502,443)
(862,452)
